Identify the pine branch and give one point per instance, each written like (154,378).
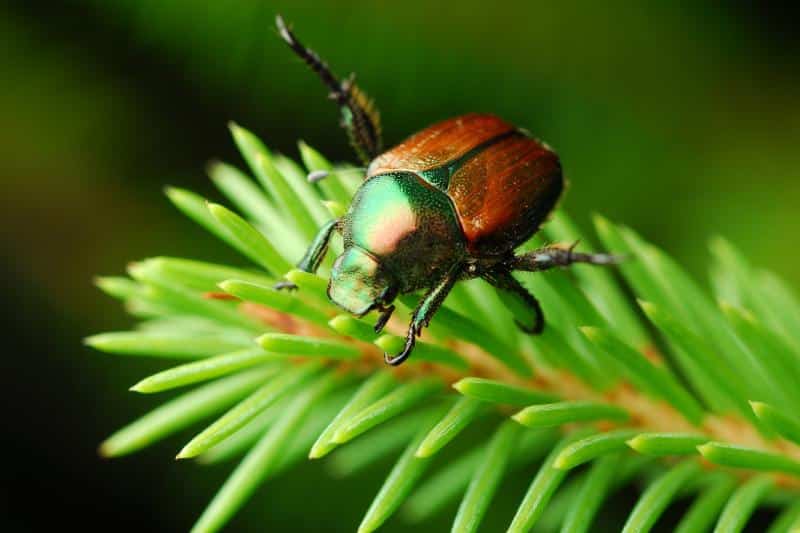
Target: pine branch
(710,417)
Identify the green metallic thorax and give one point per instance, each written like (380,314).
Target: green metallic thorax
(409,227)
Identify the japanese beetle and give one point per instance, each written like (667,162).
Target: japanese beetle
(449,203)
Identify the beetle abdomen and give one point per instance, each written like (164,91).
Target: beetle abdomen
(504,193)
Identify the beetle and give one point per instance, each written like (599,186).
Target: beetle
(449,203)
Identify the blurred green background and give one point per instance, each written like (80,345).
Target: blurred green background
(681,119)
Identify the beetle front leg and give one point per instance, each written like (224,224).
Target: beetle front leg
(423,313)
(383,318)
(523,305)
(556,256)
(315,253)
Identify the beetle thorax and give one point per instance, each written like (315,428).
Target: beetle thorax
(408,226)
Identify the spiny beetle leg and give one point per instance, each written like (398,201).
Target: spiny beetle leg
(398,359)
(386,314)
(524,306)
(360,117)
(315,253)
(424,312)
(556,256)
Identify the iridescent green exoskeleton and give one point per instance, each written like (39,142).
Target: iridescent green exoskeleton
(451,202)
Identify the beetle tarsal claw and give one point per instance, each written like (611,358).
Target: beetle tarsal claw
(536,329)
(403,355)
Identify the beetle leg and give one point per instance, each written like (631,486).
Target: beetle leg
(360,117)
(315,253)
(423,314)
(556,256)
(386,314)
(523,305)
(281,285)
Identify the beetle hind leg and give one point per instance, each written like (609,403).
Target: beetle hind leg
(360,116)
(523,305)
(559,256)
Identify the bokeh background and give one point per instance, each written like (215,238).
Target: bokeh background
(681,119)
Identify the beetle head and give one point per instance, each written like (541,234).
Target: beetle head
(359,283)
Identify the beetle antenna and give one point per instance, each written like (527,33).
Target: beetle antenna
(360,117)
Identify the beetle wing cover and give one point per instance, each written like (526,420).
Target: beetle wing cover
(505,192)
(440,144)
